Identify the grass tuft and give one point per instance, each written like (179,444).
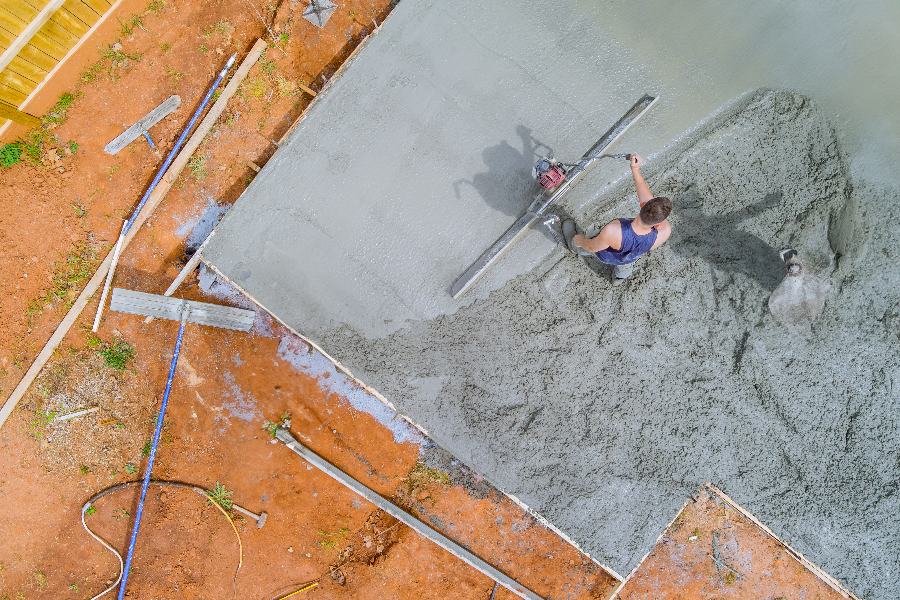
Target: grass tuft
(41,422)
(128,26)
(174,74)
(422,475)
(68,275)
(221,495)
(112,60)
(197,166)
(10,154)
(57,114)
(117,354)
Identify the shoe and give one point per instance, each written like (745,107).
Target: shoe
(622,272)
(569,231)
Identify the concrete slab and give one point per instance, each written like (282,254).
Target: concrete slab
(599,407)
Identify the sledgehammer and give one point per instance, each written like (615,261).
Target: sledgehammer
(259,518)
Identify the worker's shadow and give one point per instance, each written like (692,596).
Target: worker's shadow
(718,238)
(507,185)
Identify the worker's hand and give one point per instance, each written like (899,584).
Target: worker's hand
(636,161)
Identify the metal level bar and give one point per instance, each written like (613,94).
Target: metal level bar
(545,201)
(398,513)
(203,313)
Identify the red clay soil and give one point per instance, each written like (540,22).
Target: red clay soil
(712,551)
(59,216)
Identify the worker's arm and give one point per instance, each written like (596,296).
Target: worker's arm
(643,190)
(663,231)
(609,237)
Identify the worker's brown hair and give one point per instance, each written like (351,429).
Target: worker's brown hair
(656,210)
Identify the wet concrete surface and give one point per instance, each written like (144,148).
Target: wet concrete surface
(599,406)
(602,405)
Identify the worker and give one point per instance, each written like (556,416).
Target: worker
(623,241)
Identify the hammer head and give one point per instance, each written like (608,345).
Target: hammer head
(262,519)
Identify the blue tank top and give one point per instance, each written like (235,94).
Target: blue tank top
(633,246)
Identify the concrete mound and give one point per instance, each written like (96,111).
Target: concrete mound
(603,406)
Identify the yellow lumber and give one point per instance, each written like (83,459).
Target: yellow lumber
(47,45)
(81,11)
(27,70)
(153,201)
(16,82)
(8,111)
(98,6)
(70,23)
(21,10)
(60,31)
(11,96)
(37,57)
(11,23)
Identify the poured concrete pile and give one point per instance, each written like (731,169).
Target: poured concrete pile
(603,406)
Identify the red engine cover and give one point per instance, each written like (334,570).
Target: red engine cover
(552,177)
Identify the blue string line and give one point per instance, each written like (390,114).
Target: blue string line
(156,435)
(179,143)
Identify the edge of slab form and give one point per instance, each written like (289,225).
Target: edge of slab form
(342,368)
(807,564)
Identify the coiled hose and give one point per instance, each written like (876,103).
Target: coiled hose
(162,483)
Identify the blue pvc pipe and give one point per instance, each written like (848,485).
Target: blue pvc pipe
(179,143)
(156,435)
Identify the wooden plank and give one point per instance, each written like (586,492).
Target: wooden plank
(10,23)
(22,10)
(61,61)
(16,82)
(71,23)
(98,6)
(35,4)
(27,70)
(11,96)
(66,28)
(8,111)
(48,46)
(153,201)
(81,11)
(38,58)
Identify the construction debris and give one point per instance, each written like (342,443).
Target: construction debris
(318,12)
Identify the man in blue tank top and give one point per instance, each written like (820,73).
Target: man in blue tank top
(623,241)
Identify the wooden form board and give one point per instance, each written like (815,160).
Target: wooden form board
(165,184)
(715,491)
(36,36)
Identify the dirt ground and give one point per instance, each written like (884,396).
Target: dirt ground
(713,551)
(229,384)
